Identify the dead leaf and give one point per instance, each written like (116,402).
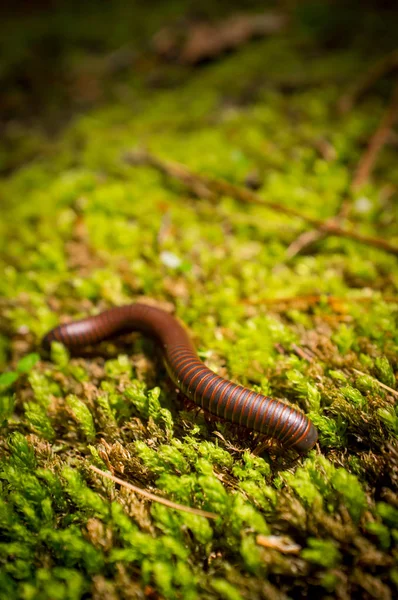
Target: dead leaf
(203,41)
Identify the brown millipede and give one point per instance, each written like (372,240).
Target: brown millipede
(216,395)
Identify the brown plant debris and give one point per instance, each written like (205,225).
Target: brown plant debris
(213,188)
(204,41)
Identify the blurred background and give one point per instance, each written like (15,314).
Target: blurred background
(61,58)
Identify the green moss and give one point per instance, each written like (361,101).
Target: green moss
(388,513)
(43,388)
(59,355)
(82,415)
(225,590)
(321,552)
(389,416)
(345,338)
(354,396)
(351,490)
(23,366)
(117,367)
(72,549)
(61,584)
(319,481)
(382,533)
(22,453)
(83,497)
(39,421)
(384,371)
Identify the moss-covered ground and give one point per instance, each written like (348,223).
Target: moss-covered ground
(82,231)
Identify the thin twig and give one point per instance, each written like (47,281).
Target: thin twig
(311,299)
(170,169)
(377,71)
(383,385)
(362,174)
(281,543)
(377,142)
(214,188)
(301,353)
(153,497)
(305,239)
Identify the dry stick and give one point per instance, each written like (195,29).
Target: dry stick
(212,188)
(303,240)
(377,142)
(153,497)
(280,543)
(377,71)
(310,299)
(383,385)
(362,174)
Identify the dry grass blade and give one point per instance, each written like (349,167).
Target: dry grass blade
(361,176)
(281,543)
(382,385)
(303,241)
(153,497)
(377,142)
(378,70)
(213,188)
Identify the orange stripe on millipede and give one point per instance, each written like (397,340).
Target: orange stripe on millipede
(223,394)
(219,384)
(244,406)
(96,334)
(197,371)
(177,360)
(298,430)
(303,435)
(66,336)
(178,366)
(237,405)
(204,369)
(85,336)
(251,409)
(186,352)
(203,394)
(182,363)
(180,353)
(108,322)
(295,426)
(265,415)
(235,401)
(183,369)
(281,433)
(208,377)
(195,366)
(260,412)
(233,397)
(285,430)
(56,336)
(270,413)
(279,420)
(176,350)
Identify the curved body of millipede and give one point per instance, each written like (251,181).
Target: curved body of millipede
(214,394)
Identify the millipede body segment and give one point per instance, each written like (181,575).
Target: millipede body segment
(214,394)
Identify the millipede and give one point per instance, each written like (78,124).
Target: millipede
(218,396)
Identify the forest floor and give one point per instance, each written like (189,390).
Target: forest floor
(278,251)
